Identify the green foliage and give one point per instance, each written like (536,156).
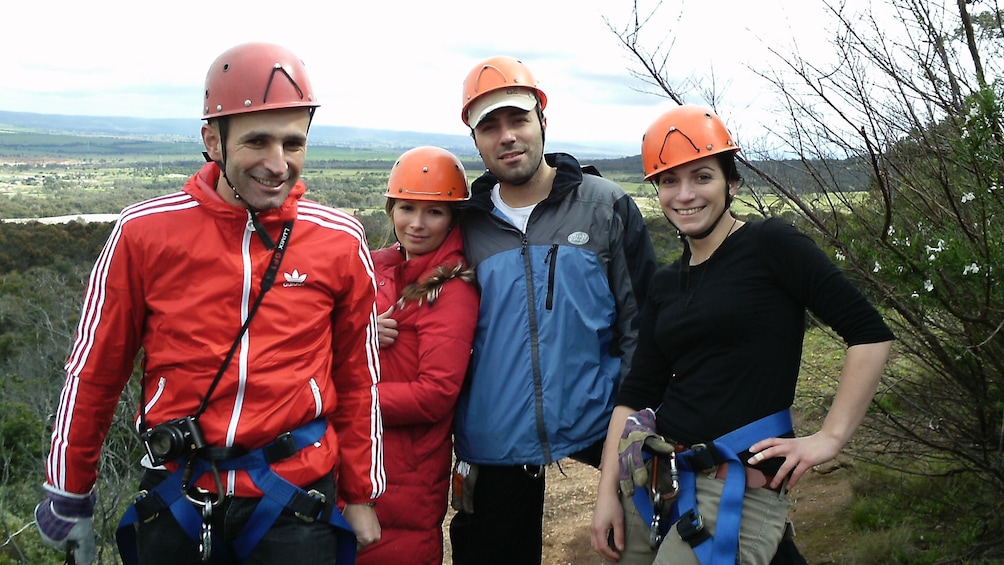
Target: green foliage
(23,246)
(901,518)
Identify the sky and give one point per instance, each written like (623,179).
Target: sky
(392,64)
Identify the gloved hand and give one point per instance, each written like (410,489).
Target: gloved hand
(639,435)
(66,523)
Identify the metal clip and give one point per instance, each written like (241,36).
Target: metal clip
(674,475)
(206,537)
(655,528)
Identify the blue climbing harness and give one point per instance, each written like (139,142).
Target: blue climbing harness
(279,494)
(721,548)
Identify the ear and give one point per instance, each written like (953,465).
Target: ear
(211,139)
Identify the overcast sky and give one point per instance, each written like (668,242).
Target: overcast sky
(387,64)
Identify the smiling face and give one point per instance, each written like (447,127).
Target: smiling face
(265,152)
(420,225)
(511,143)
(693,195)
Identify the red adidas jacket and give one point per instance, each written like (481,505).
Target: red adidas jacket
(421,376)
(175,280)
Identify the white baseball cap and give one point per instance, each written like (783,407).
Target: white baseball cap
(514,97)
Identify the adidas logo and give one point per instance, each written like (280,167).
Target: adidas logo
(294,278)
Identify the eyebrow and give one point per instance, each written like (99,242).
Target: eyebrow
(255,134)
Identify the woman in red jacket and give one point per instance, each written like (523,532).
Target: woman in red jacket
(425,293)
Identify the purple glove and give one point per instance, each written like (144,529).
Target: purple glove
(640,425)
(66,523)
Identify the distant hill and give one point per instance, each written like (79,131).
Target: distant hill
(360,138)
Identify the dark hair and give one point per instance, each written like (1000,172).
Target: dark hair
(727,161)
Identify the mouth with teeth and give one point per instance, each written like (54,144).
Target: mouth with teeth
(271,183)
(688,211)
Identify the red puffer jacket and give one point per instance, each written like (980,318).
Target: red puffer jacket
(421,376)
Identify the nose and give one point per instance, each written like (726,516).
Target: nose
(686,191)
(508,134)
(275,159)
(417,222)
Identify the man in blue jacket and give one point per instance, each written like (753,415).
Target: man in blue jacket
(562,258)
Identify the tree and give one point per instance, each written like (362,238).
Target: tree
(915,100)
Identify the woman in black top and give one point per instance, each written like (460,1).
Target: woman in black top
(719,350)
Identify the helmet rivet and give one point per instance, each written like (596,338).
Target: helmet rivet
(709,147)
(219,108)
(247,103)
(425,169)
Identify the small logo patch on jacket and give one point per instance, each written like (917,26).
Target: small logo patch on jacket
(294,278)
(578,238)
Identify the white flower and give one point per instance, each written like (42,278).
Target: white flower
(840,256)
(892,230)
(928,285)
(971,268)
(877,267)
(914,295)
(968,197)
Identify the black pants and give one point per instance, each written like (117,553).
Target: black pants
(162,541)
(506,526)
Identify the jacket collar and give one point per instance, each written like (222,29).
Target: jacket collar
(569,176)
(450,252)
(202,187)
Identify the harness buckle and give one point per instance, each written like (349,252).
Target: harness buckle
(138,502)
(282,447)
(319,497)
(703,457)
(691,528)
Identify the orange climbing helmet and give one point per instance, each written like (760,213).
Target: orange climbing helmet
(253,77)
(428,173)
(498,82)
(681,135)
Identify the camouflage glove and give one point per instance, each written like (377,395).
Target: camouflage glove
(640,425)
(66,523)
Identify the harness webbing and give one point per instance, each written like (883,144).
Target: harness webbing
(722,547)
(279,494)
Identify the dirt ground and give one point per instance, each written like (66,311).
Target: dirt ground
(820,514)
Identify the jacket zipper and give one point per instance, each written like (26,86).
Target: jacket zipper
(316,391)
(552,259)
(538,381)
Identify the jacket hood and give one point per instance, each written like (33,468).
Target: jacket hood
(202,187)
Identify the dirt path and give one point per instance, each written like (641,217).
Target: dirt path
(820,515)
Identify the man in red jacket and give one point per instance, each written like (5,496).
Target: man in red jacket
(255,312)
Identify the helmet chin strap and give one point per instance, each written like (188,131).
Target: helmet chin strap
(259,228)
(684,280)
